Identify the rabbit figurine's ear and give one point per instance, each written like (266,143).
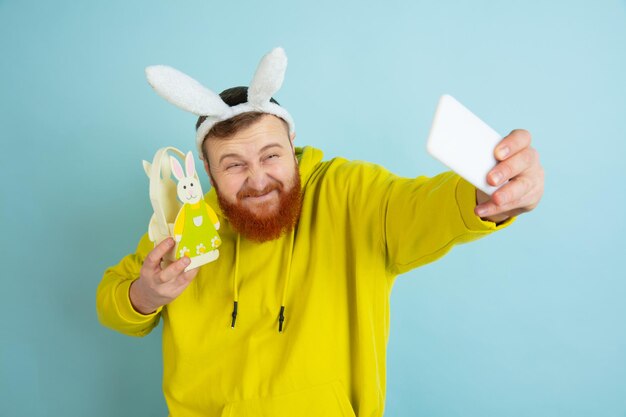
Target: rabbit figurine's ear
(190,166)
(268,77)
(185,92)
(177,170)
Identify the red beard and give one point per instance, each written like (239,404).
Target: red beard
(258,227)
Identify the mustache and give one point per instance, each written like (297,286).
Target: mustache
(251,192)
(260,228)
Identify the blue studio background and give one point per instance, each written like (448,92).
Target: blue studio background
(528,322)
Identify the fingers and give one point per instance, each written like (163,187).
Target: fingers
(153,260)
(519,165)
(511,194)
(489,211)
(518,196)
(174,270)
(185,278)
(157,286)
(181,279)
(517,140)
(513,166)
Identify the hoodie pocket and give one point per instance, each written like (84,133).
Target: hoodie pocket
(328,400)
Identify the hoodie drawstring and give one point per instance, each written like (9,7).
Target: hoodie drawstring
(281,315)
(235,289)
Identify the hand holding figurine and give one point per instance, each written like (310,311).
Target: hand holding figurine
(158,286)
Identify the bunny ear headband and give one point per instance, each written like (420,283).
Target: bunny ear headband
(188,94)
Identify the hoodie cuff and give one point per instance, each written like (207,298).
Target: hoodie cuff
(125,308)
(466,201)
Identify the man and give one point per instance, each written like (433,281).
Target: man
(293,318)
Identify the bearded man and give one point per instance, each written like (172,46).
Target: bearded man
(293,318)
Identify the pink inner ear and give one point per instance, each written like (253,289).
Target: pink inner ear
(190,165)
(176,168)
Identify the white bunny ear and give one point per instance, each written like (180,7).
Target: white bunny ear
(183,91)
(177,170)
(190,166)
(268,77)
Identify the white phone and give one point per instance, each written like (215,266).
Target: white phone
(463,142)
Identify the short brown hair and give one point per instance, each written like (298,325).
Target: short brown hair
(228,127)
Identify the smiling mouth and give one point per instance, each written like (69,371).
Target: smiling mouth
(261,197)
(191,197)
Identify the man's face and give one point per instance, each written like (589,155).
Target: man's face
(256,178)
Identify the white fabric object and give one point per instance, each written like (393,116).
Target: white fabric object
(188,94)
(183,91)
(268,77)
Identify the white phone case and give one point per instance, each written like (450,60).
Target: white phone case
(463,142)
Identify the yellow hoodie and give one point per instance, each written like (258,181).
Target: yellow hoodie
(360,227)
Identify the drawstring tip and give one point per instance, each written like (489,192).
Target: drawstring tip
(281,318)
(234,315)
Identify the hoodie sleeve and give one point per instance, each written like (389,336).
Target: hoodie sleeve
(424,217)
(112,296)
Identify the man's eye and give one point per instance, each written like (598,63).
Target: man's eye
(231,166)
(274,155)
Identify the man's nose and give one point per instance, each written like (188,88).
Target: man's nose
(257,179)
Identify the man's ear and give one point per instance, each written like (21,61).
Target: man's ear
(292,136)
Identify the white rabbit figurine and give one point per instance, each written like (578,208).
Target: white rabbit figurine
(196,225)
